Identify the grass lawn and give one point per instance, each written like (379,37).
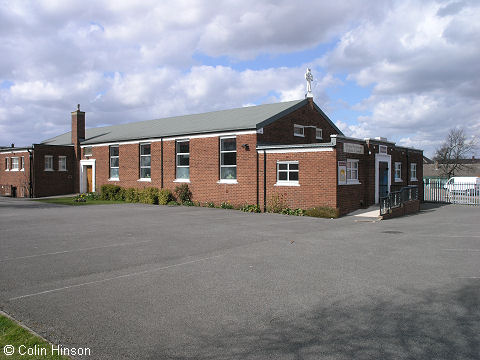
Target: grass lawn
(68,200)
(13,334)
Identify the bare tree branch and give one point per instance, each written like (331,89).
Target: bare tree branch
(451,155)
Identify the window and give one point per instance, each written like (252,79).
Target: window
(15,164)
(352,171)
(298,130)
(228,158)
(48,163)
(145,161)
(114,162)
(413,172)
(382,149)
(287,173)
(87,151)
(182,149)
(7,162)
(62,163)
(22,163)
(398,171)
(318,134)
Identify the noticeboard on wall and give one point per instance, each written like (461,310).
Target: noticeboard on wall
(342,172)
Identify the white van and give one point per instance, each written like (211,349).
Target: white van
(467,185)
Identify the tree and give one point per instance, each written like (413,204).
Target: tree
(451,155)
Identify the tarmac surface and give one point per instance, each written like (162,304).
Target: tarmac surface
(134,281)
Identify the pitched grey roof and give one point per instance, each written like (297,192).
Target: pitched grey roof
(252,117)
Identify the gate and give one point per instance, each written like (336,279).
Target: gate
(437,190)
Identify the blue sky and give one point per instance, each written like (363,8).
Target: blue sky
(405,70)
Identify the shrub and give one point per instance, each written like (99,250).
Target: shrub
(277,203)
(210,204)
(183,193)
(295,212)
(148,195)
(131,195)
(323,212)
(80,198)
(110,192)
(226,205)
(92,196)
(173,203)
(188,203)
(251,208)
(165,197)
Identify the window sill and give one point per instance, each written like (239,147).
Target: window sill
(227,181)
(7,169)
(14,170)
(48,170)
(413,179)
(22,169)
(181,181)
(299,135)
(353,182)
(287,183)
(114,179)
(398,180)
(145,179)
(62,170)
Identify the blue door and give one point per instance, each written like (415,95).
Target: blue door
(383,179)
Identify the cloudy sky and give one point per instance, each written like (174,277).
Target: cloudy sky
(406,70)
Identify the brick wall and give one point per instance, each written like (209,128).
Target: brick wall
(204,169)
(281,131)
(48,183)
(351,197)
(316,178)
(19,179)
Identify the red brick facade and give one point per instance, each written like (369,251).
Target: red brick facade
(258,153)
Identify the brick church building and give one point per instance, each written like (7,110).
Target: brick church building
(243,156)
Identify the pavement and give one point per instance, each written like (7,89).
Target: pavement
(133,281)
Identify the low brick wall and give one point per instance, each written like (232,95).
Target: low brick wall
(410,207)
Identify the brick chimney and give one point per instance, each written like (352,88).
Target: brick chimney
(78,135)
(78,126)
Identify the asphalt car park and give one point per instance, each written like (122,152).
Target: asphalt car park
(133,281)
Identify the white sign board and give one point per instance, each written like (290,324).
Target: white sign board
(353,148)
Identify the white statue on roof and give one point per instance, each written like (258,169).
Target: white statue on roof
(309,78)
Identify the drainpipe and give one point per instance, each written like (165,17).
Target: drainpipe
(408,167)
(264,181)
(30,182)
(258,190)
(161,163)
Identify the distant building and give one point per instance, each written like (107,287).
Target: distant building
(470,167)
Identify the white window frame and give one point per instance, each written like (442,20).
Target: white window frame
(22,163)
(228,181)
(352,165)
(110,167)
(7,164)
(398,171)
(15,163)
(145,167)
(177,154)
(316,134)
(413,170)
(287,182)
(62,163)
(48,163)
(295,127)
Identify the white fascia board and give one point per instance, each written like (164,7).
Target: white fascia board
(13,152)
(288,151)
(185,137)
